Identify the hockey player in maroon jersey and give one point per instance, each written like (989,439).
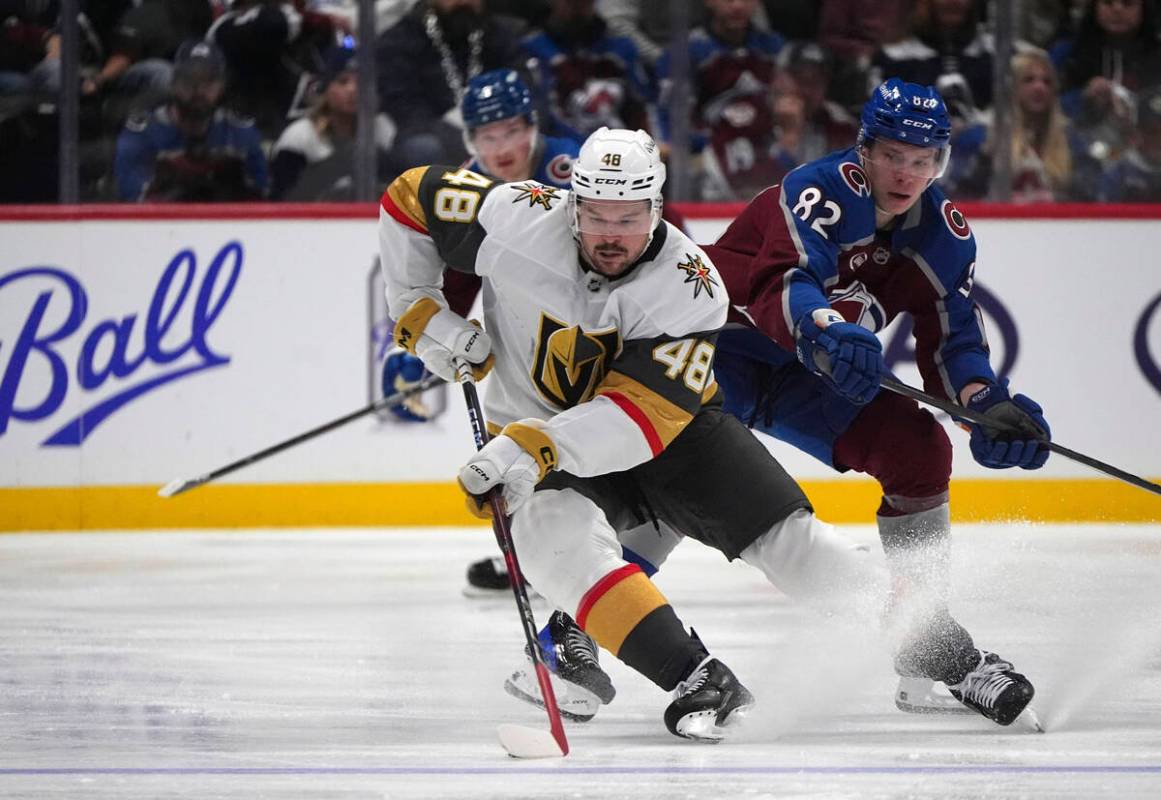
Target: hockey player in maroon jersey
(814,267)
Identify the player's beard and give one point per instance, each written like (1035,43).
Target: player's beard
(611,250)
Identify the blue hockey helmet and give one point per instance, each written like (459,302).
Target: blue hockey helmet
(906,112)
(496,95)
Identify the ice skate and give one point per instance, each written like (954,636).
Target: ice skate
(581,686)
(919,695)
(488,577)
(994,689)
(708,703)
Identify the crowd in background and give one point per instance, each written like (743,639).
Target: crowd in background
(211,100)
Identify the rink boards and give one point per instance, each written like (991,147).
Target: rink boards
(139,349)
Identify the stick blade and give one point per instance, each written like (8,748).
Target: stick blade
(523,742)
(178,486)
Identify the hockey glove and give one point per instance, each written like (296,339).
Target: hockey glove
(847,356)
(517,459)
(401,371)
(1017,439)
(440,337)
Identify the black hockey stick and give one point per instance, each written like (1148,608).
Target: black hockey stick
(887,382)
(178,486)
(519,741)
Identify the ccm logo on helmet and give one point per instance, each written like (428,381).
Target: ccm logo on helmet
(611,181)
(914,123)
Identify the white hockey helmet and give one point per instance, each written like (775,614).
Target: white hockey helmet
(618,165)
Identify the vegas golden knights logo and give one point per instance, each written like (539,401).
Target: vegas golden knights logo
(570,363)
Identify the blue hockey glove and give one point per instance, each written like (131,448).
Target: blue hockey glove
(401,371)
(1019,439)
(847,356)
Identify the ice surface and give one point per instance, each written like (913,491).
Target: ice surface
(347,664)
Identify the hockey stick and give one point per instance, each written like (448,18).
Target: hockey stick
(179,485)
(955,410)
(519,741)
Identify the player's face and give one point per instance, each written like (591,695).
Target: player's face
(505,148)
(613,233)
(899,173)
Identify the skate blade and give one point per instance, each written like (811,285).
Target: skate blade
(574,703)
(1030,721)
(919,697)
(703,726)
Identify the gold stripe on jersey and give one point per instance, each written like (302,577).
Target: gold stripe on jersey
(535,442)
(656,415)
(414,320)
(617,604)
(404,196)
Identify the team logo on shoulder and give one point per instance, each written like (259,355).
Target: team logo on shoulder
(570,363)
(560,168)
(535,194)
(855,179)
(699,274)
(955,220)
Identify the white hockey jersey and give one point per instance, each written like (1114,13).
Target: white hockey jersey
(614,368)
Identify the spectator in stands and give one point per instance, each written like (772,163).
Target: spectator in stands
(946,38)
(587,76)
(647,23)
(137,73)
(190,149)
(794,19)
(25,29)
(732,66)
(313,159)
(344,14)
(272,51)
(423,64)
(852,31)
(1136,177)
(1116,52)
(96,22)
(1049,159)
(827,126)
(1044,23)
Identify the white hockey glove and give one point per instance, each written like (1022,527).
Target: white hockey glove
(440,337)
(517,459)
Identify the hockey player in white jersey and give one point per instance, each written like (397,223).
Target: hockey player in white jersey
(600,324)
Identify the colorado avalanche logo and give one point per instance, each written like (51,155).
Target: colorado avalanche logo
(559,169)
(859,306)
(535,194)
(855,179)
(955,220)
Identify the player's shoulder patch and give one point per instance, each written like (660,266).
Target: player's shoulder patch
(955,221)
(534,194)
(855,178)
(699,273)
